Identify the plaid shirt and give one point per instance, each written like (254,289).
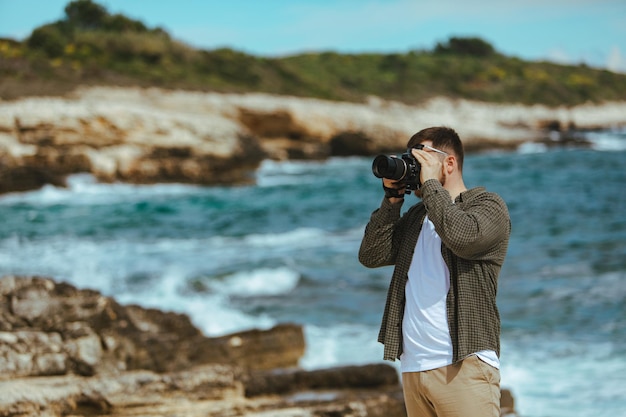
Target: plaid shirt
(474,233)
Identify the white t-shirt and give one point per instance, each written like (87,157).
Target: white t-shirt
(426,339)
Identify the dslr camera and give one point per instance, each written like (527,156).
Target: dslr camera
(405,168)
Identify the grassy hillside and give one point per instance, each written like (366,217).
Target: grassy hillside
(89,46)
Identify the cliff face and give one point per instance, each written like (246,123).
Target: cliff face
(151,135)
(124,137)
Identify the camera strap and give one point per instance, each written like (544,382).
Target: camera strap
(393,192)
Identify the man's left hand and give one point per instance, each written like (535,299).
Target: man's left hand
(431,165)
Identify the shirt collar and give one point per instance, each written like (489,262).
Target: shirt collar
(469,194)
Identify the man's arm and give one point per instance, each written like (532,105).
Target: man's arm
(472,231)
(377,247)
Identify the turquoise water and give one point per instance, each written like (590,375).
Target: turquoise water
(285,249)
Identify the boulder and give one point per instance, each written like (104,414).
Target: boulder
(51,328)
(281,381)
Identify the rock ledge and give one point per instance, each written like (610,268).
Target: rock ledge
(71,352)
(157,136)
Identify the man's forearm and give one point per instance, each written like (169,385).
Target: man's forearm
(377,245)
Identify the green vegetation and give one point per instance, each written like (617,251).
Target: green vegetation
(92,47)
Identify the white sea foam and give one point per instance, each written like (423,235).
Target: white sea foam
(84,189)
(568,376)
(211,313)
(341,344)
(278,173)
(608,141)
(259,282)
(531,147)
(302,237)
(600,141)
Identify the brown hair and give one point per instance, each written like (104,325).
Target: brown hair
(442,138)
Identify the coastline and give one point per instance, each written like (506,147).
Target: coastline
(158,136)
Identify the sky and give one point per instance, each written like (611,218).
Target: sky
(563,31)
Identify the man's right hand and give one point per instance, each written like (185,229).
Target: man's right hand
(388,185)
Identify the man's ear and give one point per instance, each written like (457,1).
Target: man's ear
(449,163)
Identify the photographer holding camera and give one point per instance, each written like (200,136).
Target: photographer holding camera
(440,318)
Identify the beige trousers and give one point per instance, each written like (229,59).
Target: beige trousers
(468,388)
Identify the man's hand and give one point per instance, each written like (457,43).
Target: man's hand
(395,185)
(431,165)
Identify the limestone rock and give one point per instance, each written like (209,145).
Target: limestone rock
(282,381)
(51,328)
(117,394)
(151,135)
(68,351)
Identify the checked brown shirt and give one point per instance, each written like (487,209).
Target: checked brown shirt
(474,232)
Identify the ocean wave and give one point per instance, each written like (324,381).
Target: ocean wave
(532,147)
(279,173)
(573,378)
(603,141)
(612,140)
(299,237)
(341,344)
(84,189)
(258,282)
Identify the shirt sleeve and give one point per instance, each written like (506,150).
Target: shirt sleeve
(378,247)
(470,229)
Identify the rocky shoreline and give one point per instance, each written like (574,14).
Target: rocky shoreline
(149,136)
(66,351)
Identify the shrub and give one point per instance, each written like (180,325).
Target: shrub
(48,39)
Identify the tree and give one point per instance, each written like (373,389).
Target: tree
(121,23)
(48,39)
(84,14)
(465,46)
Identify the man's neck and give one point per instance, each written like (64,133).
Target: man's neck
(455,188)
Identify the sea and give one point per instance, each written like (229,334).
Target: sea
(284,250)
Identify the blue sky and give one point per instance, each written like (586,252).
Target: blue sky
(564,31)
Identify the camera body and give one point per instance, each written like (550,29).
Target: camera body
(404,169)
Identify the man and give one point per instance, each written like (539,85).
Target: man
(441,318)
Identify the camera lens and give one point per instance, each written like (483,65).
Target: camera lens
(387,167)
